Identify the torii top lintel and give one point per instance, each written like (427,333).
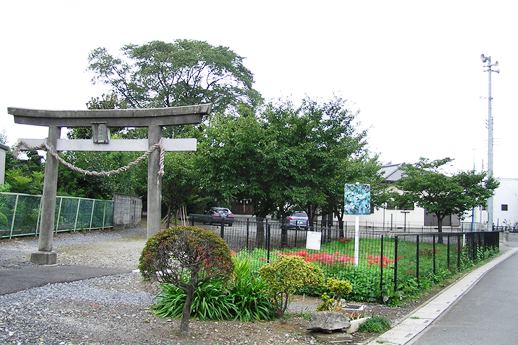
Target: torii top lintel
(190,114)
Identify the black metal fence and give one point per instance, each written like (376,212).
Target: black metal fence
(388,265)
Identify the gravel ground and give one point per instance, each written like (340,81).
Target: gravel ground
(114,309)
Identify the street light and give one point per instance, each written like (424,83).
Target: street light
(488,65)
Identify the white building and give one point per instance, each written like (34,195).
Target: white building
(3,150)
(505,202)
(397,219)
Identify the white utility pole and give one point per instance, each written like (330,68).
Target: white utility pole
(488,65)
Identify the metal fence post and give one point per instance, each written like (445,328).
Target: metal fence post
(77,214)
(458,252)
(247,232)
(92,215)
(59,214)
(268,237)
(448,253)
(417,259)
(39,218)
(395,262)
(433,254)
(104,212)
(14,215)
(382,262)
(222,229)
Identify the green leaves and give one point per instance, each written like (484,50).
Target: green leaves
(286,275)
(441,194)
(244,298)
(184,72)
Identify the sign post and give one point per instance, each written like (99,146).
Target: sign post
(357,202)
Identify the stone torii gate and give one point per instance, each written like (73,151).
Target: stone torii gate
(101,121)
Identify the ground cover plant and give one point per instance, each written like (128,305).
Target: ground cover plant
(376,324)
(244,297)
(417,266)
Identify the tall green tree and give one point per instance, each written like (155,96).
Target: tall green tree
(426,185)
(24,173)
(286,156)
(184,72)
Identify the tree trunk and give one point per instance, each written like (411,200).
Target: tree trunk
(284,236)
(259,235)
(439,228)
(186,314)
(340,218)
(168,217)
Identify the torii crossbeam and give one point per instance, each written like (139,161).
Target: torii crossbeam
(101,121)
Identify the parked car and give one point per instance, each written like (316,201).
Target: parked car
(216,215)
(296,220)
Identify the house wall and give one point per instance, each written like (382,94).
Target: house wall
(383,218)
(506,194)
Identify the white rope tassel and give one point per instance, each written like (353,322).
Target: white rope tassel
(162,158)
(72,167)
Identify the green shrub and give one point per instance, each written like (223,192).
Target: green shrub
(244,298)
(365,284)
(376,324)
(287,274)
(186,257)
(328,303)
(338,289)
(211,301)
(250,293)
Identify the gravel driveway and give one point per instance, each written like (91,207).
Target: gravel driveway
(111,309)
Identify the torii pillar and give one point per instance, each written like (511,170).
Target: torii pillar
(101,120)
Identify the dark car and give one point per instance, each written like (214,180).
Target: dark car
(296,220)
(217,215)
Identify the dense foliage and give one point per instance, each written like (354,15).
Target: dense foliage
(184,72)
(244,298)
(376,324)
(186,257)
(287,274)
(442,194)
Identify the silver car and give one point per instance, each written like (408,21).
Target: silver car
(296,220)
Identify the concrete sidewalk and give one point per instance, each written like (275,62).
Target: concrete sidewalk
(31,276)
(480,300)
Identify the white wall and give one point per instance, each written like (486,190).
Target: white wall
(415,218)
(506,193)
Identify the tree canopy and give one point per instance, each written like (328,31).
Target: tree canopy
(425,184)
(184,72)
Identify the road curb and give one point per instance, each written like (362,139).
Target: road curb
(417,321)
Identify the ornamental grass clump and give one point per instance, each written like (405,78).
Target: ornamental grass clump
(186,257)
(286,275)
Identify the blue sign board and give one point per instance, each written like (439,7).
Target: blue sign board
(357,199)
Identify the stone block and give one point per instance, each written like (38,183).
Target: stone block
(44,258)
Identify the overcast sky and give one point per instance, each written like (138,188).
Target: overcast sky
(412,68)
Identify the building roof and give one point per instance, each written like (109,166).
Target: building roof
(4,147)
(392,172)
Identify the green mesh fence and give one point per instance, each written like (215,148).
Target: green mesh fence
(20,214)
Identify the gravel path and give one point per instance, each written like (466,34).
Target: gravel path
(112,309)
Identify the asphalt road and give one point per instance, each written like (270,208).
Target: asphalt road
(487,314)
(13,280)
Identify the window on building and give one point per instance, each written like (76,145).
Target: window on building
(504,207)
